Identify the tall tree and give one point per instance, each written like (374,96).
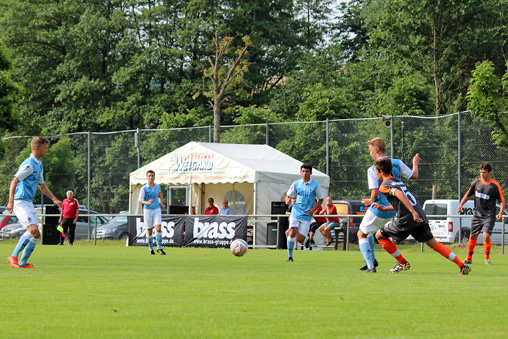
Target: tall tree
(225,71)
(8,93)
(441,39)
(488,100)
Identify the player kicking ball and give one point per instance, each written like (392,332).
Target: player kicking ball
(411,220)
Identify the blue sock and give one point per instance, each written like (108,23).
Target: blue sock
(366,252)
(158,239)
(291,246)
(23,241)
(150,242)
(370,238)
(27,252)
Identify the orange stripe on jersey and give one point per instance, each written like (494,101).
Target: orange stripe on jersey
(499,189)
(384,189)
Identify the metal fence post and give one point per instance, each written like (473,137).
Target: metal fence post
(459,165)
(89,179)
(267,133)
(327,146)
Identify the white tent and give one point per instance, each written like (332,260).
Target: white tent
(249,176)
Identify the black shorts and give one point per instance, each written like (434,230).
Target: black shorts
(484,224)
(421,232)
(314,226)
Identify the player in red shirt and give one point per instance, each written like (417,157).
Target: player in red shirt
(211,209)
(486,191)
(68,217)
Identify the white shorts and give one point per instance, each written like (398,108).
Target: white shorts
(152,217)
(25,211)
(303,226)
(371,223)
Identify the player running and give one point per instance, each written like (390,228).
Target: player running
(486,191)
(411,220)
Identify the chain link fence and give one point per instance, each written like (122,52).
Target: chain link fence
(97,165)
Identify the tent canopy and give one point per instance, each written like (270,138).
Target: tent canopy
(269,171)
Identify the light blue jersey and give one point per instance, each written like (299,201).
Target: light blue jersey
(399,169)
(148,193)
(306,194)
(30,175)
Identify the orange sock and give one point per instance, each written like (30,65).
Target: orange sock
(487,246)
(392,249)
(470,248)
(446,252)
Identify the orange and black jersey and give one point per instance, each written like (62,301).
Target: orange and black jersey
(388,188)
(485,196)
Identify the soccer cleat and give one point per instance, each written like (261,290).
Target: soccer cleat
(364,267)
(371,271)
(400,267)
(487,262)
(70,244)
(13,261)
(27,265)
(468,261)
(306,242)
(465,270)
(289,259)
(151,252)
(161,252)
(59,244)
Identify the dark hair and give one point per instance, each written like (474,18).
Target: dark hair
(486,166)
(306,165)
(150,171)
(384,165)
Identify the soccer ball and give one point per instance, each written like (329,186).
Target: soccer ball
(238,247)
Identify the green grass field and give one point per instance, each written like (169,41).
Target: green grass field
(113,291)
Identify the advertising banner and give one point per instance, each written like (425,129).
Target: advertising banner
(214,230)
(194,230)
(172,228)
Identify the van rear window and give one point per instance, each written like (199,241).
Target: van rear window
(435,209)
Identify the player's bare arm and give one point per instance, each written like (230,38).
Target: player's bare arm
(383,208)
(316,204)
(45,189)
(499,216)
(416,161)
(374,193)
(462,202)
(12,191)
(403,199)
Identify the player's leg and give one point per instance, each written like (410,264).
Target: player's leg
(148,219)
(368,227)
(292,232)
(30,247)
(476,226)
(383,236)
(487,245)
(158,230)
(26,215)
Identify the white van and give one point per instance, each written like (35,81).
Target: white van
(446,229)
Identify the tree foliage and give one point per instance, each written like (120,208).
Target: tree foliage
(488,100)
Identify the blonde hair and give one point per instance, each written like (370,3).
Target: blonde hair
(38,141)
(378,143)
